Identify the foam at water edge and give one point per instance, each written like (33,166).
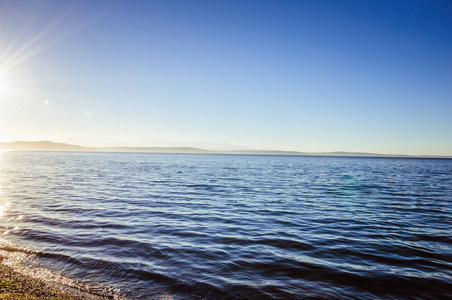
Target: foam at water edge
(23,261)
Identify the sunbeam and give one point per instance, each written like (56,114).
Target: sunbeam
(23,47)
(38,43)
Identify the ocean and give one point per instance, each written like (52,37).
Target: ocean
(175,226)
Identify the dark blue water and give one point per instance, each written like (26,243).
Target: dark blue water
(150,226)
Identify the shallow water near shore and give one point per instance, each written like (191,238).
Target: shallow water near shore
(149,226)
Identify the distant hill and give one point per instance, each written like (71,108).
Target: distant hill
(357,154)
(40,146)
(263,152)
(52,146)
(187,150)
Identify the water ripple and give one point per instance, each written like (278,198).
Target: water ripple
(232,227)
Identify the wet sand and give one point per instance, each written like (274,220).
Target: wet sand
(14,285)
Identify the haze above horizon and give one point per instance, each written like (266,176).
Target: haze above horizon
(309,76)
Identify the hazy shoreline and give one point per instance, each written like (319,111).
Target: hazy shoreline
(53,146)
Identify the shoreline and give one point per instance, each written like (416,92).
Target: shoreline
(15,285)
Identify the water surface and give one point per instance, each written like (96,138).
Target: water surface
(230,227)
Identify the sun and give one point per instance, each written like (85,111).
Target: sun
(3,88)
(1,83)
(4,84)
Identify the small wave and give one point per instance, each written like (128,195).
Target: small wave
(22,260)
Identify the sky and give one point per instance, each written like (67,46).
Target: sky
(310,76)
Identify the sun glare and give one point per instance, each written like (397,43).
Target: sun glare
(2,84)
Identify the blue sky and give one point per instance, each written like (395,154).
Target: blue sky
(371,76)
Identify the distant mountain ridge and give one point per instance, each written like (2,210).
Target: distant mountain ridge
(40,146)
(53,146)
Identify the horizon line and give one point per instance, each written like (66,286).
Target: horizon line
(58,146)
